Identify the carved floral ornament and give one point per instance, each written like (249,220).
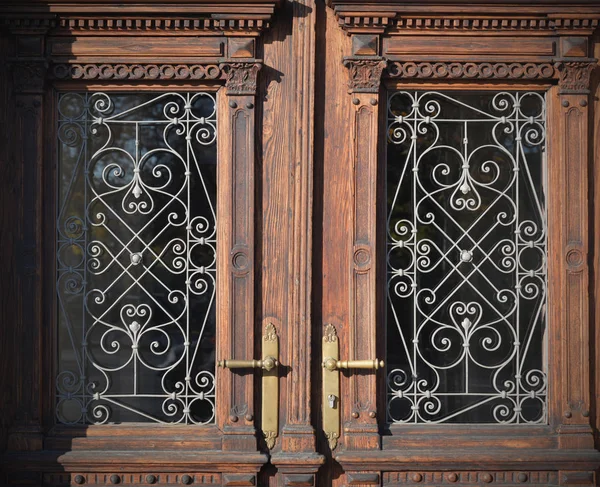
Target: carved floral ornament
(365,74)
(575,75)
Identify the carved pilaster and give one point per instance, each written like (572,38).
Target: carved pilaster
(241,77)
(27,74)
(569,181)
(360,413)
(235,268)
(574,76)
(364,74)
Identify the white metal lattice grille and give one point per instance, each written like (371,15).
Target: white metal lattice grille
(136,267)
(466,257)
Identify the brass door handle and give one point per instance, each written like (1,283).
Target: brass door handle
(270,382)
(331,382)
(268,363)
(332,364)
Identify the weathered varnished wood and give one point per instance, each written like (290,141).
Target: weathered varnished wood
(309,113)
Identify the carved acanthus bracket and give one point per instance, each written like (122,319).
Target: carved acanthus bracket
(364,74)
(574,76)
(241,77)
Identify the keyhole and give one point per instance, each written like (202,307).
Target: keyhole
(331,398)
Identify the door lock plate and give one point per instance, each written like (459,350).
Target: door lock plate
(331,387)
(270,382)
(331,382)
(270,386)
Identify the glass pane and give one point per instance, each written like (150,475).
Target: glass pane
(466,257)
(136,257)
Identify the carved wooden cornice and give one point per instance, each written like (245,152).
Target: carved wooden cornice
(498,23)
(138,25)
(368,22)
(92,16)
(364,74)
(372,22)
(174,24)
(397,17)
(574,76)
(445,70)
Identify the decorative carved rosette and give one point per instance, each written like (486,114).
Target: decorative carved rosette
(574,76)
(364,74)
(241,77)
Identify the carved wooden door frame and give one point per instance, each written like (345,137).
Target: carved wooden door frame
(291,117)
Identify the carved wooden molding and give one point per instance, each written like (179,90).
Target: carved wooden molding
(375,23)
(217,15)
(241,77)
(443,70)
(39,22)
(145,478)
(364,74)
(370,16)
(363,479)
(128,72)
(574,76)
(535,478)
(493,24)
(149,24)
(103,24)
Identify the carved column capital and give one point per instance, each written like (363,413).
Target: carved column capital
(364,74)
(28,76)
(241,77)
(574,76)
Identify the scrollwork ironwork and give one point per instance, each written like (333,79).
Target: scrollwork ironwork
(466,257)
(136,257)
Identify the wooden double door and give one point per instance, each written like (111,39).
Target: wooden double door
(300,243)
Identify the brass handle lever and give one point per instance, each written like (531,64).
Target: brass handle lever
(268,363)
(331,402)
(270,382)
(332,364)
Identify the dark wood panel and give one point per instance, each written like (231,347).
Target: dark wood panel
(140,48)
(411,46)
